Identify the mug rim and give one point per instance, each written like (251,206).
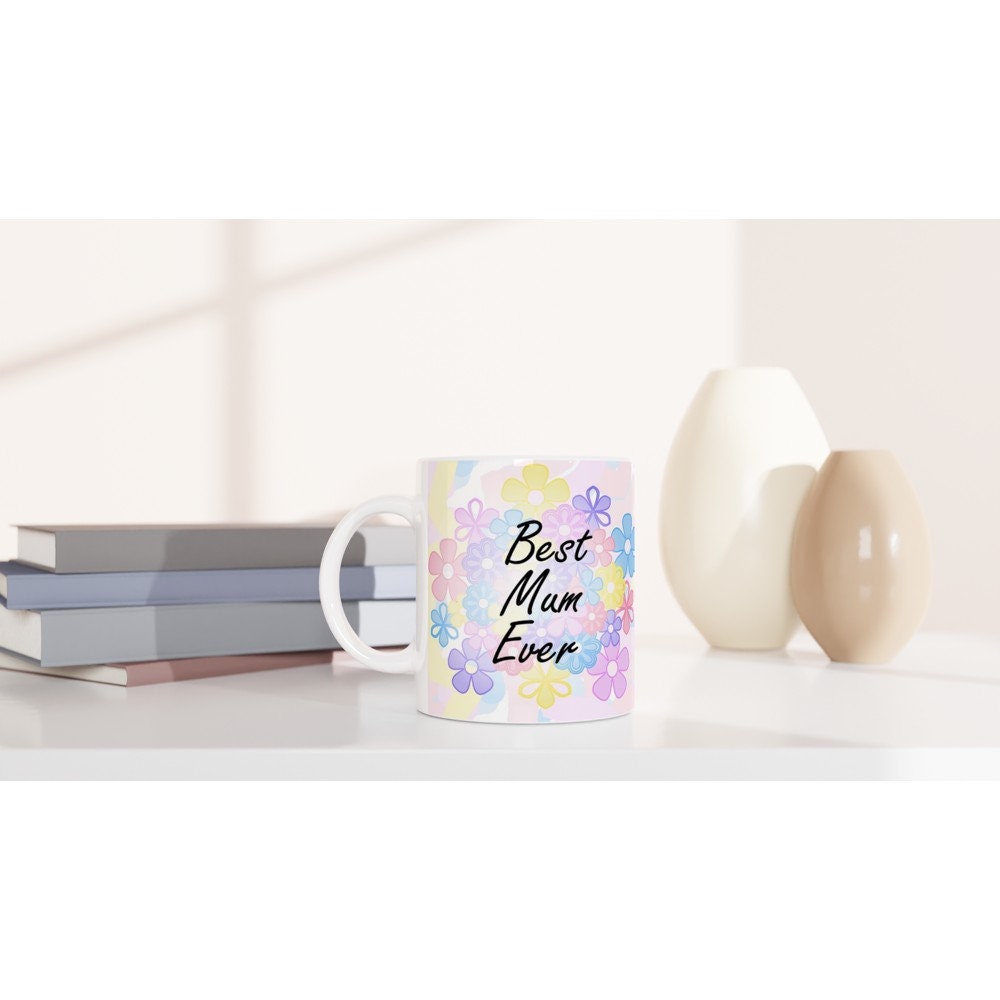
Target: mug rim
(512,459)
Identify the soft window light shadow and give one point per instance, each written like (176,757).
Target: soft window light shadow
(432,233)
(889,670)
(237,303)
(679,732)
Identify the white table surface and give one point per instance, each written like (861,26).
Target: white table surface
(700,713)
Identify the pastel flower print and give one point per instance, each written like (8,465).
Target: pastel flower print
(484,635)
(479,603)
(612,626)
(594,507)
(505,529)
(585,655)
(443,566)
(514,666)
(623,539)
(609,673)
(593,619)
(565,624)
(599,548)
(614,585)
(540,632)
(483,562)
(560,577)
(591,585)
(474,521)
(626,610)
(457,613)
(472,666)
(544,684)
(442,627)
(535,492)
(563,524)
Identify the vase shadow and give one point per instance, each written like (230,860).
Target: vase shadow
(762,539)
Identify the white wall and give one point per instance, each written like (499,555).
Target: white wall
(893,329)
(185,371)
(205,371)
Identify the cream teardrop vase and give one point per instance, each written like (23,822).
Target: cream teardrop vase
(744,457)
(861,558)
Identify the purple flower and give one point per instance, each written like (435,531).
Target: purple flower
(474,521)
(483,561)
(563,523)
(594,506)
(611,629)
(472,665)
(609,673)
(561,575)
(540,633)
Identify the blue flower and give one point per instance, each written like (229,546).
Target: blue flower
(584,657)
(441,626)
(623,540)
(595,506)
(505,529)
(478,600)
(591,585)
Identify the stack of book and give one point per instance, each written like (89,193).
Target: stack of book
(142,604)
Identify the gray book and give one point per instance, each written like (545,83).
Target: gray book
(24,586)
(149,547)
(76,637)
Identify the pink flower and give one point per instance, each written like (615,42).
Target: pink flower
(511,649)
(563,523)
(565,623)
(609,671)
(481,633)
(593,618)
(443,566)
(474,521)
(600,548)
(626,610)
(512,667)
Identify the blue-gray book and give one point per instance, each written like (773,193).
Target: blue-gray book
(156,548)
(69,637)
(24,587)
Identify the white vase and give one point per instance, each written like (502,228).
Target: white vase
(743,459)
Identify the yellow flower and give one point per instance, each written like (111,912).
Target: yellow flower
(457,613)
(544,685)
(536,492)
(613,592)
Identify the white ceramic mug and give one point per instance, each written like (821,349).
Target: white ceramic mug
(525,589)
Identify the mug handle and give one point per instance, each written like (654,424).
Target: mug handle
(400,661)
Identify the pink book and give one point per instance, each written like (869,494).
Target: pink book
(160,671)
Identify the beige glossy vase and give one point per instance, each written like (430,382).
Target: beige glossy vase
(861,558)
